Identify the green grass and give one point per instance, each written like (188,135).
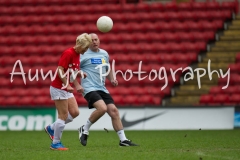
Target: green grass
(159,145)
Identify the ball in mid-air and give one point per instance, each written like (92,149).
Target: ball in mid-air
(104,24)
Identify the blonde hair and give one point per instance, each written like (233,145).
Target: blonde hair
(83,40)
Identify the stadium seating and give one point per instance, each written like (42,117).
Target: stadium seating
(167,35)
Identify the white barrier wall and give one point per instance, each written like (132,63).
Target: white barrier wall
(162,119)
(132,118)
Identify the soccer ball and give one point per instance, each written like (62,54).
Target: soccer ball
(104,24)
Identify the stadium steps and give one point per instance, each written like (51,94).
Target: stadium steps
(186,90)
(230,38)
(184,100)
(203,80)
(222,54)
(220,59)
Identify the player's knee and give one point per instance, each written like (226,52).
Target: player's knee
(114,113)
(102,109)
(75,113)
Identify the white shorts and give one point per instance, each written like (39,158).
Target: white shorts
(57,94)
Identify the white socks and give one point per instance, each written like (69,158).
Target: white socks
(52,126)
(59,126)
(69,119)
(87,125)
(121,135)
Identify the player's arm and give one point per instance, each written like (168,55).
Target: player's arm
(78,87)
(82,74)
(62,76)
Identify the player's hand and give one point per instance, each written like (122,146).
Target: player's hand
(70,89)
(79,89)
(82,74)
(85,75)
(114,82)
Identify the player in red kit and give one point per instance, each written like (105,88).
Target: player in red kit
(62,87)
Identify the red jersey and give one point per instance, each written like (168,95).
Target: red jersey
(68,60)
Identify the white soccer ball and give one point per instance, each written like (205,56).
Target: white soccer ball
(104,24)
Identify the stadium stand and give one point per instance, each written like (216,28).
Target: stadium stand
(169,35)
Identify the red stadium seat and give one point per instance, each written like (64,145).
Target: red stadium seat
(181,58)
(215,90)
(235,98)
(43,101)
(9,61)
(6,92)
(156,7)
(202,15)
(132,8)
(187,15)
(218,24)
(49,59)
(137,90)
(27,101)
(143,7)
(2,101)
(201,36)
(234,67)
(170,6)
(213,6)
(199,6)
(12,101)
(232,90)
(184,6)
(113,91)
(112,8)
(172,36)
(6,82)
(148,100)
(206,99)
(119,27)
(234,79)
(131,100)
(160,16)
(230,6)
(156,91)
(118,99)
(226,14)
(221,98)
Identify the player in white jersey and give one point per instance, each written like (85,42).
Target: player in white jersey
(96,93)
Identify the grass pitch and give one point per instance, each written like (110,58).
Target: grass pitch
(159,145)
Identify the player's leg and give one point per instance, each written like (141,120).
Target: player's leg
(94,101)
(56,94)
(116,121)
(117,125)
(101,109)
(60,98)
(62,108)
(73,110)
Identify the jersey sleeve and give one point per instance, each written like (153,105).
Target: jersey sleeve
(65,60)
